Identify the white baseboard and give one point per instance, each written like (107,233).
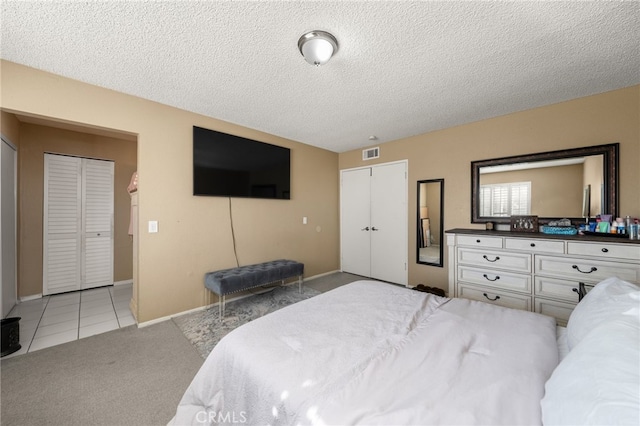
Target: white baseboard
(32,297)
(321,275)
(125,282)
(168,317)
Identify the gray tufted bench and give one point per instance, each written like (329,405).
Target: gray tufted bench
(227,281)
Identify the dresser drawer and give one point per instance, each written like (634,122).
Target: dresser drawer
(557,288)
(495,297)
(561,311)
(585,270)
(479,241)
(495,279)
(519,262)
(605,250)
(534,245)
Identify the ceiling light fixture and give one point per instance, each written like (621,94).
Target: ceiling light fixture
(317,47)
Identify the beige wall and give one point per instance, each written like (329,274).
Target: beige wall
(35,141)
(194,232)
(594,120)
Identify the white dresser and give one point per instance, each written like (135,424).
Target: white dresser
(535,272)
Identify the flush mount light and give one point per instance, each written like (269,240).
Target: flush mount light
(317,47)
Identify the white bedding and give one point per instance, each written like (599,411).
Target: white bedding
(375,353)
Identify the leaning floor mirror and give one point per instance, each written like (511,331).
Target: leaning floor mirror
(429,222)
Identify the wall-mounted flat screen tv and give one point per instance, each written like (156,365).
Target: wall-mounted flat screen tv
(232,166)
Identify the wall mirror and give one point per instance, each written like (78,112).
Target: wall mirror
(571,183)
(429,226)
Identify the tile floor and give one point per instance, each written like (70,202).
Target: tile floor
(61,318)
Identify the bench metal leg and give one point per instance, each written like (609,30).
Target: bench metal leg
(221,303)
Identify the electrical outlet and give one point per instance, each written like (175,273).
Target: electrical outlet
(153,226)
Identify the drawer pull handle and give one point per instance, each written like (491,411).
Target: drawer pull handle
(605,250)
(477,241)
(533,244)
(581,290)
(489,279)
(489,260)
(576,267)
(494,299)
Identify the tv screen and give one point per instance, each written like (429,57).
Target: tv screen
(231,166)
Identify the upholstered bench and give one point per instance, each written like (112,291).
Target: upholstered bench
(233,280)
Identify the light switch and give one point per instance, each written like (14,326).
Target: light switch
(153,226)
(304,220)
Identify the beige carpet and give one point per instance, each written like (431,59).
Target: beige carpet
(130,376)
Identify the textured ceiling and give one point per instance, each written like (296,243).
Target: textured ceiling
(402,68)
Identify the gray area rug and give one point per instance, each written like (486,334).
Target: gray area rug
(204,329)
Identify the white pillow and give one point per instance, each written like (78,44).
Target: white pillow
(607,300)
(598,382)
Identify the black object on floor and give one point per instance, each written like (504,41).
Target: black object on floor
(10,335)
(432,290)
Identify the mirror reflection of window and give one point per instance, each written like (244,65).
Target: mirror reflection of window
(543,188)
(505,199)
(558,179)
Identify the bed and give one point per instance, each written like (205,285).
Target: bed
(374,353)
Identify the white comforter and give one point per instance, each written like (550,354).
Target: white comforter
(375,353)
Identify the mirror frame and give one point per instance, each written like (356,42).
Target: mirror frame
(610,153)
(419,225)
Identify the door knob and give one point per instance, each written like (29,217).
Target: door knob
(374,229)
(365,229)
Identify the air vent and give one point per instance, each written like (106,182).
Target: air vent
(371,153)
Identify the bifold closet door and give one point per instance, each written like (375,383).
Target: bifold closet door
(97,223)
(78,223)
(373,222)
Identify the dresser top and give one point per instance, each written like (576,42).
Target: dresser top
(607,238)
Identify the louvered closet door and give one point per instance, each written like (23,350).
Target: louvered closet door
(97,223)
(78,224)
(62,224)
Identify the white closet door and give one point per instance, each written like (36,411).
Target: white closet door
(97,223)
(62,224)
(355,220)
(373,222)
(78,224)
(389,231)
